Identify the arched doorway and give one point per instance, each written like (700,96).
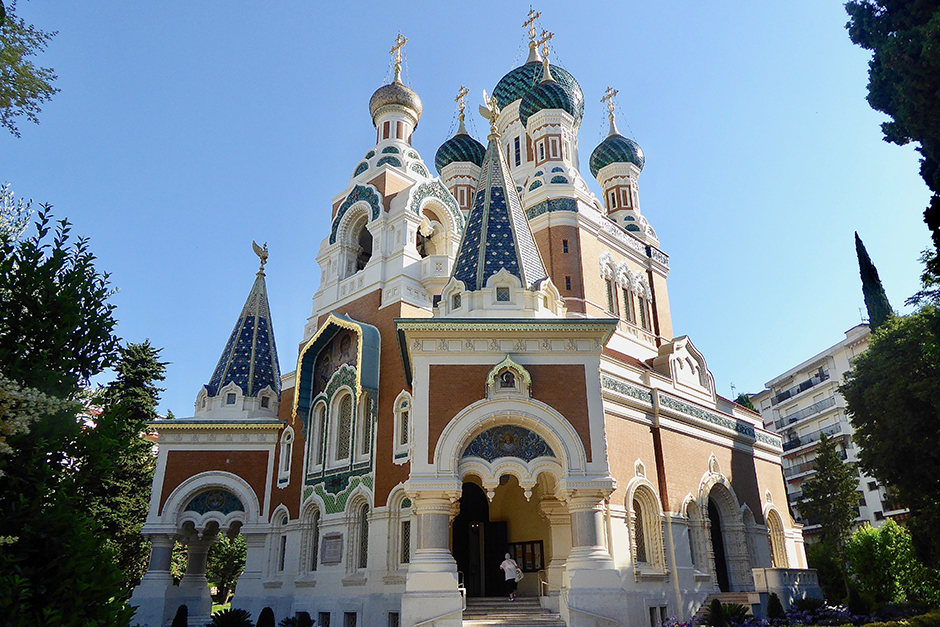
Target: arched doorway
(477,542)
(718,547)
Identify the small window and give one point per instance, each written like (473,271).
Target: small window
(455,301)
(872,486)
(613,200)
(553,145)
(363,537)
(628,312)
(507,380)
(611,297)
(400,130)
(406,542)
(644,314)
(230,399)
(323,619)
(625,197)
(564,246)
(639,535)
(502,294)
(518,157)
(394,619)
(568,283)
(404,428)
(349,619)
(541,151)
(265,401)
(385,130)
(879,516)
(281,552)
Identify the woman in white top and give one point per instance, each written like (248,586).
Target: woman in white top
(510,568)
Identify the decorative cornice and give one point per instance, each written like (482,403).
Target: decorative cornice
(185,424)
(505,324)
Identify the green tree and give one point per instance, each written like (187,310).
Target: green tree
(745,401)
(56,330)
(23,85)
(893,397)
(114,483)
(226,561)
(876,301)
(883,565)
(830,500)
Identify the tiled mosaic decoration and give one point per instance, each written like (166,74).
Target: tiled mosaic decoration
(216,500)
(508,441)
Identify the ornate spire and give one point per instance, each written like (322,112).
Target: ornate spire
(529,25)
(396,50)
(250,355)
(543,41)
(461,105)
(608,99)
(497,235)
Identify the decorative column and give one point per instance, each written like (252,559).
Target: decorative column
(150,596)
(250,595)
(588,546)
(559,521)
(193,590)
(431,586)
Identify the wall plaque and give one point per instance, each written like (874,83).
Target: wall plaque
(331,551)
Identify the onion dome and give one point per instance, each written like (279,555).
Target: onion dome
(519,81)
(459,148)
(548,94)
(395,93)
(616,149)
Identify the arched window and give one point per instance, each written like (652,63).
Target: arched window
(363,558)
(286,440)
(363,239)
(343,428)
(639,533)
(778,547)
(364,430)
(313,540)
(400,452)
(281,545)
(317,434)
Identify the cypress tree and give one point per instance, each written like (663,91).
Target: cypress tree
(876,301)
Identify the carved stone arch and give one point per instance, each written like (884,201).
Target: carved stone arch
(311,521)
(718,490)
(358,518)
(607,265)
(362,197)
(623,276)
(776,536)
(697,526)
(529,413)
(435,191)
(174,513)
(645,522)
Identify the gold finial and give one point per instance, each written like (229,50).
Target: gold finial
(529,24)
(396,50)
(491,113)
(461,105)
(262,254)
(543,41)
(609,100)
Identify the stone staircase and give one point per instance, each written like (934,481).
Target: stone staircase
(741,598)
(501,612)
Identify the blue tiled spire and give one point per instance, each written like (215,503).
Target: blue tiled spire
(497,234)
(250,356)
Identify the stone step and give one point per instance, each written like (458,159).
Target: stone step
(501,612)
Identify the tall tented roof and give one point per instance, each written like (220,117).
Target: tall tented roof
(497,234)
(250,356)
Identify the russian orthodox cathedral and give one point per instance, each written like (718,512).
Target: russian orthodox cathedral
(489,368)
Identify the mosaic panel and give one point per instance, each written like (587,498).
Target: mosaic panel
(508,441)
(362,167)
(216,500)
(535,185)
(627,390)
(389,160)
(391,150)
(553,204)
(559,179)
(413,155)
(420,169)
(335,501)
(370,154)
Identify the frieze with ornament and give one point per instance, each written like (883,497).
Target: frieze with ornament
(215,500)
(735,425)
(334,502)
(508,441)
(627,390)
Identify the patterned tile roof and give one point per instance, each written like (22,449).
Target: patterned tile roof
(497,234)
(250,356)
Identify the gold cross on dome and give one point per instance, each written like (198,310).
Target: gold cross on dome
(461,103)
(543,41)
(609,98)
(530,23)
(396,49)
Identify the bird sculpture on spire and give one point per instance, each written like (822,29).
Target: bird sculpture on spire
(262,254)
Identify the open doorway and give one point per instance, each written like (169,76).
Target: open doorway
(718,547)
(477,543)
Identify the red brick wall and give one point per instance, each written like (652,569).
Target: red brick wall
(251,466)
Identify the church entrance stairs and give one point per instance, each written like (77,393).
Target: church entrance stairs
(501,612)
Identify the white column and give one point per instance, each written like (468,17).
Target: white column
(559,521)
(431,586)
(150,596)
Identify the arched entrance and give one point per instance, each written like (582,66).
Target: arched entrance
(476,541)
(718,547)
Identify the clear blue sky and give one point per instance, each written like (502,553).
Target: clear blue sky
(186,129)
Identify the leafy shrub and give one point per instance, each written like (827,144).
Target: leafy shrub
(231,618)
(182,617)
(716,616)
(808,604)
(266,618)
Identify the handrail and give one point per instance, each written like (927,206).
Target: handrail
(463,599)
(544,583)
(592,614)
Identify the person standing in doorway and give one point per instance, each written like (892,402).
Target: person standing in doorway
(510,568)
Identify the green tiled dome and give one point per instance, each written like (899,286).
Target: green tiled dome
(519,81)
(616,149)
(547,95)
(459,148)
